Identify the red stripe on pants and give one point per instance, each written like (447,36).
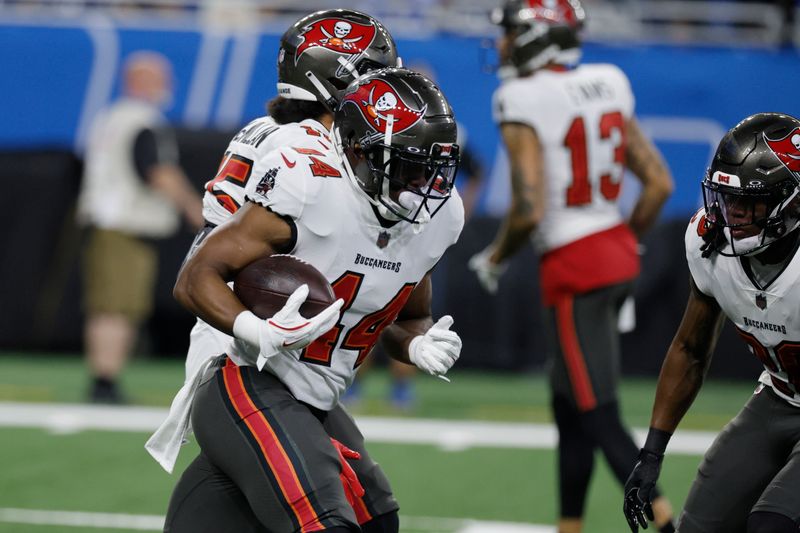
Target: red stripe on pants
(573,356)
(272,449)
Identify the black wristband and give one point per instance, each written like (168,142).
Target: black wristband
(657,441)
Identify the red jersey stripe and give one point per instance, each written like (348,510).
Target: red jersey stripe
(272,449)
(573,356)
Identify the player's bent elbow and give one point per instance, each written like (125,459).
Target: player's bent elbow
(526,223)
(665,187)
(181,291)
(660,185)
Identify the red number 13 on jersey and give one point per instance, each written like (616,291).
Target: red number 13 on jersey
(580,190)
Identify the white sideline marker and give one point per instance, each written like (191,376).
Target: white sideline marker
(156,523)
(452,435)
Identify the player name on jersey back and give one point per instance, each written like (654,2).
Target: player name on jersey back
(255,133)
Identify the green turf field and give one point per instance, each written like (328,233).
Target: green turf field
(109,472)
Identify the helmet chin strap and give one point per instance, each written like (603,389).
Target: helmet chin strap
(748,246)
(385,191)
(423,215)
(351,176)
(387,204)
(349,67)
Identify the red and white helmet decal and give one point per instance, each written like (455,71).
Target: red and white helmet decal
(338,35)
(554,11)
(726,178)
(377,100)
(787,149)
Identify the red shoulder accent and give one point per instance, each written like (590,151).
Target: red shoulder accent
(702,227)
(307,151)
(311,131)
(318,167)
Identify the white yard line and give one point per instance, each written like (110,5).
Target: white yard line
(156,523)
(81,519)
(448,434)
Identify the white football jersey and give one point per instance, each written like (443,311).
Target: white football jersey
(579,116)
(224,195)
(373,268)
(242,161)
(767,319)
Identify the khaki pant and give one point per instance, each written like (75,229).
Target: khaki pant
(119,274)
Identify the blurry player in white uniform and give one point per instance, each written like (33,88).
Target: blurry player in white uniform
(742,254)
(374,215)
(570,132)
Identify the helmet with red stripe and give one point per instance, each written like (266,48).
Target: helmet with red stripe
(323,52)
(751,190)
(396,134)
(539,32)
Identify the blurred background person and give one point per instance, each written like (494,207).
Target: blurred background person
(133,192)
(570,131)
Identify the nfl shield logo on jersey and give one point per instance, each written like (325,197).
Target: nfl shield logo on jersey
(383,239)
(761,300)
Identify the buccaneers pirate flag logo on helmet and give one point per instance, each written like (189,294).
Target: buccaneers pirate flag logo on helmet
(340,36)
(787,149)
(556,11)
(377,100)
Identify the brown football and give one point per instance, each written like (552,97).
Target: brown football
(264,285)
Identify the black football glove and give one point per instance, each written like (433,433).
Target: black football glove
(639,489)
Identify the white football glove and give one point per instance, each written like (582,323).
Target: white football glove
(287,331)
(437,350)
(488,273)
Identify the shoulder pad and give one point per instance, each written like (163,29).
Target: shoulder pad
(708,234)
(699,251)
(292,178)
(282,185)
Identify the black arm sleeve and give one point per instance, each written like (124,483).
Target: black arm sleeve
(154,146)
(145,153)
